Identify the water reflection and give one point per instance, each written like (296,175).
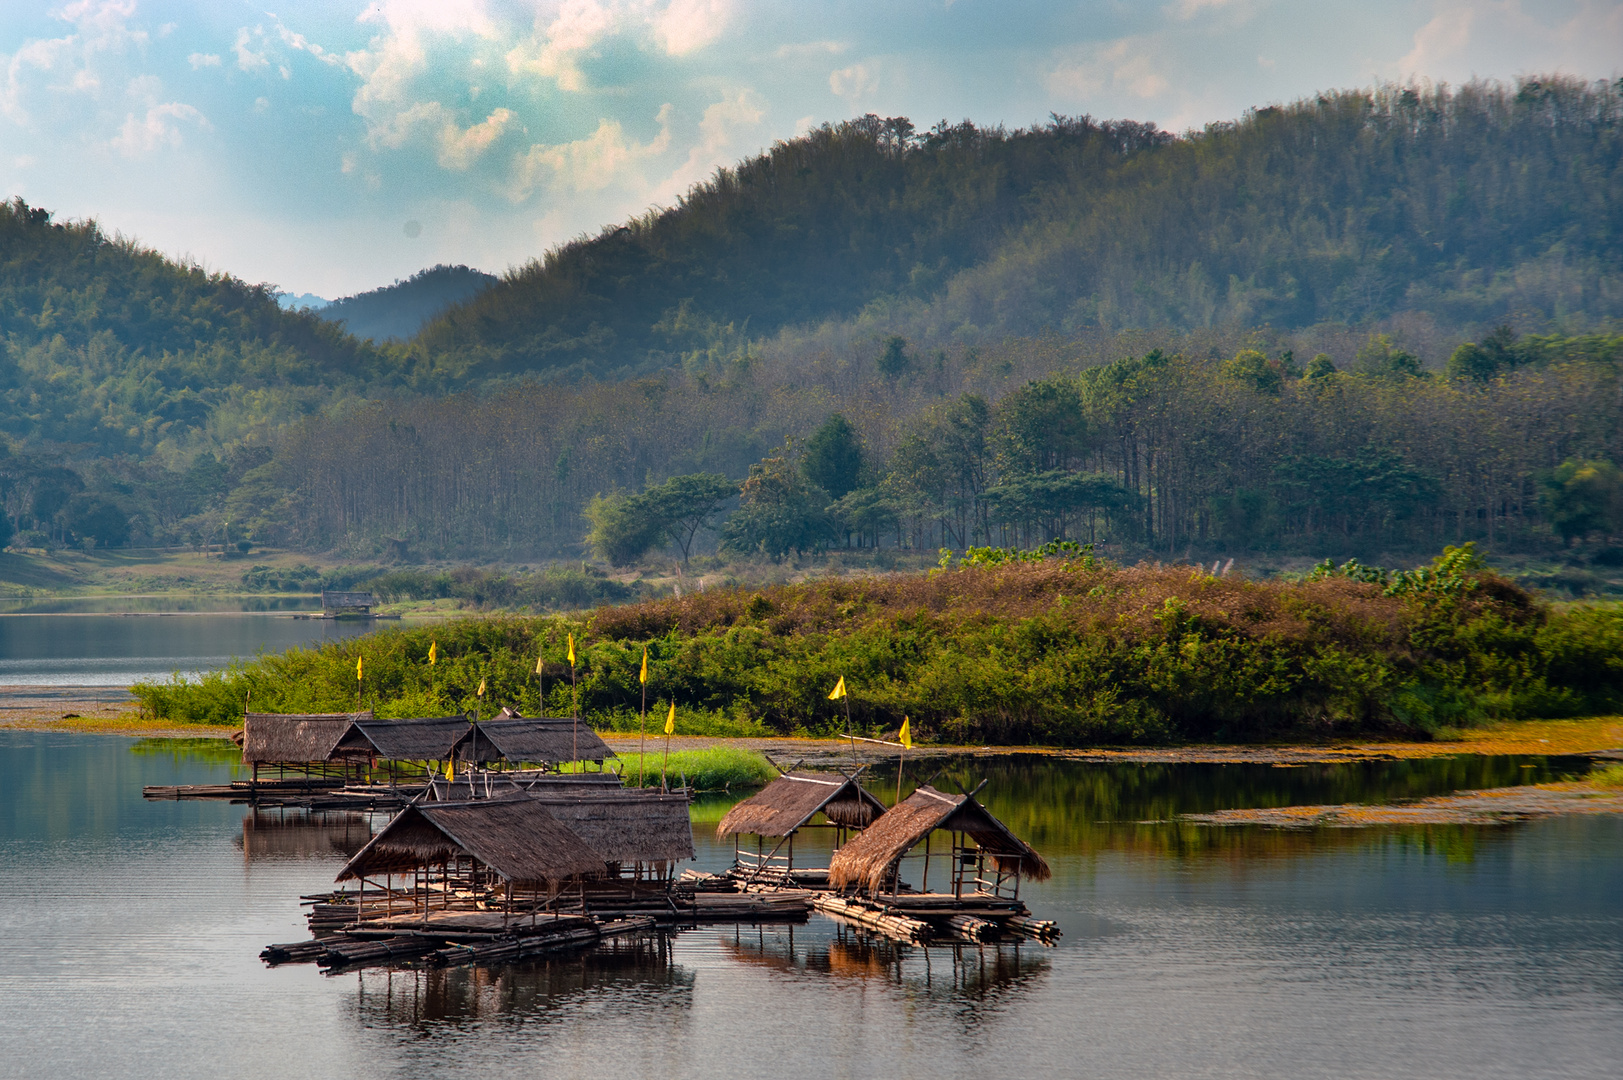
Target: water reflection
(634,974)
(829,948)
(301,834)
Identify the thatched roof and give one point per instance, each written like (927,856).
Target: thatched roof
(294,738)
(516,837)
(428,739)
(627,825)
(867,860)
(791,801)
(549,739)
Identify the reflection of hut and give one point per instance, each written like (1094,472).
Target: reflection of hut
(300,835)
(303,742)
(984,856)
(428,739)
(515,844)
(784,807)
(548,741)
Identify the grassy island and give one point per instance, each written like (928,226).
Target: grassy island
(1006,647)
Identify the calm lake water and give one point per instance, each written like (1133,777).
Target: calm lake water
(132,931)
(79,643)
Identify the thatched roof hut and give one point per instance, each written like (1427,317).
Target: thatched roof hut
(538,739)
(518,838)
(792,800)
(428,739)
(868,860)
(294,738)
(625,825)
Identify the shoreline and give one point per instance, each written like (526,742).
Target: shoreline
(107,710)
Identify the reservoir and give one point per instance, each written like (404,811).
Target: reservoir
(133,929)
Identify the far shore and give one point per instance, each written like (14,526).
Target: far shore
(109,711)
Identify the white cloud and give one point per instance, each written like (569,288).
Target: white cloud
(686,26)
(803,49)
(603,159)
(1188,9)
(460,147)
(854,82)
(160,127)
(248,58)
(203,60)
(580,28)
(721,133)
(1128,65)
(1470,37)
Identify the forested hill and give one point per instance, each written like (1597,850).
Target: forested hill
(1475,204)
(106,344)
(399,311)
(818,226)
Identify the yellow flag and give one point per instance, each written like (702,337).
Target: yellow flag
(571,650)
(481,691)
(839,691)
(644,675)
(670,721)
(538,665)
(433,652)
(906,737)
(357,669)
(449,774)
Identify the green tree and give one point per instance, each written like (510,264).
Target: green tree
(893,363)
(683,505)
(1581,497)
(90,516)
(832,458)
(620,534)
(1382,357)
(1255,370)
(778,512)
(1320,367)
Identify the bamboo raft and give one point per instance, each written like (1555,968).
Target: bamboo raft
(450,942)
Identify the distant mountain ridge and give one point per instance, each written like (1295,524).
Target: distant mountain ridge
(1472,204)
(397,312)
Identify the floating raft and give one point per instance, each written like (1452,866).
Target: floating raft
(462,938)
(307,794)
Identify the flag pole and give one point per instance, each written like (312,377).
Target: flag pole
(670,726)
(575,696)
(642,730)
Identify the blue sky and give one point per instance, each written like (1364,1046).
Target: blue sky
(330,147)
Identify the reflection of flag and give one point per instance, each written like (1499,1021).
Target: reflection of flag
(481,691)
(357,669)
(670,721)
(571,650)
(906,736)
(433,652)
(839,691)
(645,665)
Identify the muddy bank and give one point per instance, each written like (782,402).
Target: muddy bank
(1496,806)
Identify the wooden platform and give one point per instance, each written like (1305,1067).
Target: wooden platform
(466,938)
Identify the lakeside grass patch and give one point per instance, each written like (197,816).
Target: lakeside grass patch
(1609,777)
(1060,652)
(714,768)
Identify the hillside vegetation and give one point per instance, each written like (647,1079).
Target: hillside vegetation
(1480,203)
(1059,650)
(397,312)
(1377,321)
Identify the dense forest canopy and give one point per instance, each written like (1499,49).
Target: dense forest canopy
(397,312)
(1476,204)
(1377,320)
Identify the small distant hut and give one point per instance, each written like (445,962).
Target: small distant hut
(984,856)
(515,844)
(396,742)
(549,741)
(298,742)
(336,604)
(784,807)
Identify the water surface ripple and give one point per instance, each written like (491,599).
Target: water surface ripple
(132,931)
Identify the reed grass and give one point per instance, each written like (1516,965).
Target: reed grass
(715,768)
(1607,776)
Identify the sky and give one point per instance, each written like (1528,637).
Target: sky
(332,146)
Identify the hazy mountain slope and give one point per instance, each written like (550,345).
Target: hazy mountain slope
(1480,203)
(818,226)
(399,311)
(107,344)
